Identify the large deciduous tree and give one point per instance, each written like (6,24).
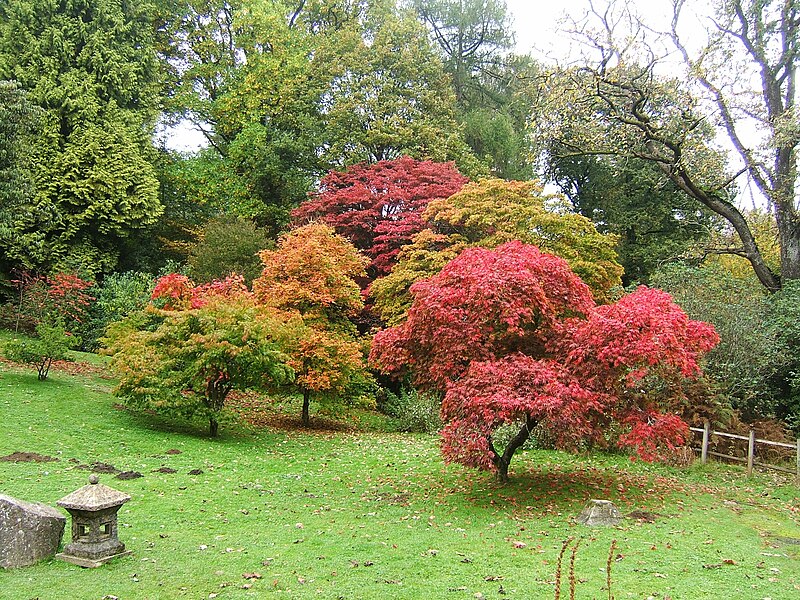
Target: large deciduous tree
(90,65)
(388,95)
(471,35)
(511,336)
(743,79)
(379,207)
(654,221)
(244,77)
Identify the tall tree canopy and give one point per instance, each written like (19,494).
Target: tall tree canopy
(242,75)
(471,36)
(511,336)
(19,122)
(475,39)
(285,92)
(389,95)
(654,221)
(90,65)
(743,79)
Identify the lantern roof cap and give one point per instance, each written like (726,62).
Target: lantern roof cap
(94,496)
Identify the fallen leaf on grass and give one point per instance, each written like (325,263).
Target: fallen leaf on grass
(251,575)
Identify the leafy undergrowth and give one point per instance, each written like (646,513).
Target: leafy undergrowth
(335,512)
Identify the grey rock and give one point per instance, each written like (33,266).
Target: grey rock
(29,532)
(600,513)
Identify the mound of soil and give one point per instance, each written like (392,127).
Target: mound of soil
(99,467)
(196,472)
(165,470)
(173,451)
(129,475)
(643,516)
(27,457)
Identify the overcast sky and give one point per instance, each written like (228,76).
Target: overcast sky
(536,22)
(538,29)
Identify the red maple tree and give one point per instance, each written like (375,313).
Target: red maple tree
(379,206)
(512,336)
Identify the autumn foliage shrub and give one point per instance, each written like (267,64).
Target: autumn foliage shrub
(184,353)
(186,362)
(311,278)
(54,310)
(63,296)
(51,343)
(512,335)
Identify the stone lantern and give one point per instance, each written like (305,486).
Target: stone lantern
(94,524)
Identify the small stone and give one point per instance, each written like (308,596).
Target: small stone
(600,513)
(29,532)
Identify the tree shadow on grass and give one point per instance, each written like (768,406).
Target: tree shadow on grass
(554,489)
(195,428)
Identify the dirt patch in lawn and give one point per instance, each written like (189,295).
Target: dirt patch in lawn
(27,457)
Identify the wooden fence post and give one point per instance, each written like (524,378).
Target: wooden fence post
(751,448)
(704,449)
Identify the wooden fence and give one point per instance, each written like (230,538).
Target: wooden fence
(751,450)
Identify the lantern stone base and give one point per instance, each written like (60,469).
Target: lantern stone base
(88,562)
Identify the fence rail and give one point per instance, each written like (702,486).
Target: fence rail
(751,450)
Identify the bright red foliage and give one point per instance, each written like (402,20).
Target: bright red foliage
(379,207)
(62,297)
(483,305)
(512,336)
(67,293)
(179,292)
(175,289)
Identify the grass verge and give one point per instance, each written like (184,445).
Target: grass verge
(344,514)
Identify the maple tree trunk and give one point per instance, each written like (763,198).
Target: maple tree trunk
(502,461)
(306,401)
(216,392)
(44,368)
(213,427)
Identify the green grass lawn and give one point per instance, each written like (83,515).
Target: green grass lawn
(364,515)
